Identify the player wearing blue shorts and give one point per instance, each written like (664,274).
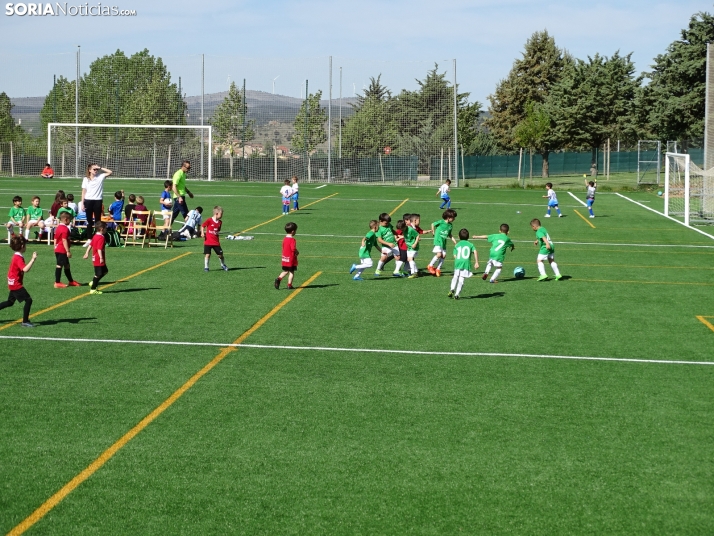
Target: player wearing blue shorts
(296,194)
(590,198)
(552,200)
(443,192)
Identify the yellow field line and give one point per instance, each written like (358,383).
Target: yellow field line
(398,206)
(53,501)
(583,218)
(703,320)
(85,294)
(278,217)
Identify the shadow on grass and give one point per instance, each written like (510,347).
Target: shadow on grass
(246,268)
(322,286)
(485,296)
(66,321)
(128,290)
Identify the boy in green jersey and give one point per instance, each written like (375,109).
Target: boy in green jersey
(441,230)
(499,243)
(65,208)
(412,239)
(385,238)
(463,252)
(365,251)
(547,250)
(34,217)
(17,217)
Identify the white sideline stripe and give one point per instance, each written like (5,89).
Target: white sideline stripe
(363,350)
(320,186)
(577,199)
(662,214)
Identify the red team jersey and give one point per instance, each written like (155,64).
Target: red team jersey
(289,251)
(98,243)
(211,229)
(16,273)
(61,232)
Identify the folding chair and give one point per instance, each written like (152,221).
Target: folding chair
(161,223)
(137,228)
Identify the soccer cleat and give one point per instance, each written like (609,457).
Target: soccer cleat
(60,285)
(560,215)
(558,277)
(450,294)
(438,273)
(354,267)
(456,296)
(74,284)
(396,274)
(377,273)
(547,215)
(413,276)
(431,269)
(592,215)
(205,269)
(494,281)
(224,268)
(290,287)
(27,325)
(484,276)
(543,278)
(94,291)
(277,283)
(357,278)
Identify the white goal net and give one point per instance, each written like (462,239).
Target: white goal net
(130,151)
(688,191)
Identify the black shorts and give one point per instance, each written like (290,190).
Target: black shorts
(403,255)
(62,259)
(291,269)
(216,249)
(18,295)
(100,271)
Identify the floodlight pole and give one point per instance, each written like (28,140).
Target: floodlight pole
(329,126)
(340,125)
(203,78)
(76,116)
(456,140)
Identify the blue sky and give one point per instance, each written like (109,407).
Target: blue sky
(292,40)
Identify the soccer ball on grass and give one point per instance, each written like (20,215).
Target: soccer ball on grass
(519,272)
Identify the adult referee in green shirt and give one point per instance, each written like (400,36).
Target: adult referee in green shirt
(180,191)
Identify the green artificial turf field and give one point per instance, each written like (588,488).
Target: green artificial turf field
(336,435)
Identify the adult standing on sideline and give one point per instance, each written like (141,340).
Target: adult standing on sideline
(93,193)
(180,191)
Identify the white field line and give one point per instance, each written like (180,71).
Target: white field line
(320,186)
(578,199)
(363,350)
(662,214)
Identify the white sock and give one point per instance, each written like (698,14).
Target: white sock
(359,271)
(555,268)
(488,268)
(361,267)
(397,266)
(496,273)
(541,268)
(438,264)
(412,265)
(27,234)
(380,265)
(460,285)
(434,260)
(205,262)
(454,281)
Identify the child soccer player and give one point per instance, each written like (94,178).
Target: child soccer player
(116,209)
(166,201)
(385,238)
(290,256)
(443,192)
(499,243)
(400,233)
(365,251)
(34,217)
(64,208)
(547,251)
(441,230)
(209,231)
(17,217)
(286,192)
(463,251)
(296,194)
(191,223)
(590,197)
(71,204)
(412,240)
(15,274)
(63,253)
(99,256)
(552,200)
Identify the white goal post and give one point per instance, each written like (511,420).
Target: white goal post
(688,190)
(136,151)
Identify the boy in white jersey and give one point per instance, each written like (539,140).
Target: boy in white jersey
(286,192)
(590,197)
(552,200)
(443,192)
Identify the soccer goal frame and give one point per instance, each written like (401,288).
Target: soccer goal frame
(683,184)
(204,129)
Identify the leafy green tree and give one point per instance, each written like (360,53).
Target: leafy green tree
(594,101)
(370,129)
(310,125)
(229,117)
(375,91)
(533,129)
(529,81)
(483,144)
(672,104)
(7,124)
(467,123)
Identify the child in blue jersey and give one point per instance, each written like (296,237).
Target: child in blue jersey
(166,201)
(443,192)
(590,197)
(552,200)
(116,209)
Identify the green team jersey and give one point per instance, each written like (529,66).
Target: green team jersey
(179,180)
(69,211)
(370,241)
(499,243)
(442,231)
(386,233)
(411,236)
(34,213)
(463,255)
(17,213)
(541,234)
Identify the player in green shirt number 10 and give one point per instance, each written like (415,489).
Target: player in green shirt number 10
(499,244)
(546,252)
(463,252)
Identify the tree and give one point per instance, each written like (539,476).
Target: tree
(229,118)
(310,124)
(529,81)
(7,124)
(370,129)
(533,129)
(672,104)
(467,123)
(594,101)
(375,91)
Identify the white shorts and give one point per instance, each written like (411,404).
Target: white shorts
(412,253)
(462,273)
(366,262)
(497,264)
(15,224)
(439,249)
(35,222)
(394,252)
(550,257)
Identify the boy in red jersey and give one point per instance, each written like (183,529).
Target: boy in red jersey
(17,270)
(209,231)
(290,256)
(99,257)
(62,252)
